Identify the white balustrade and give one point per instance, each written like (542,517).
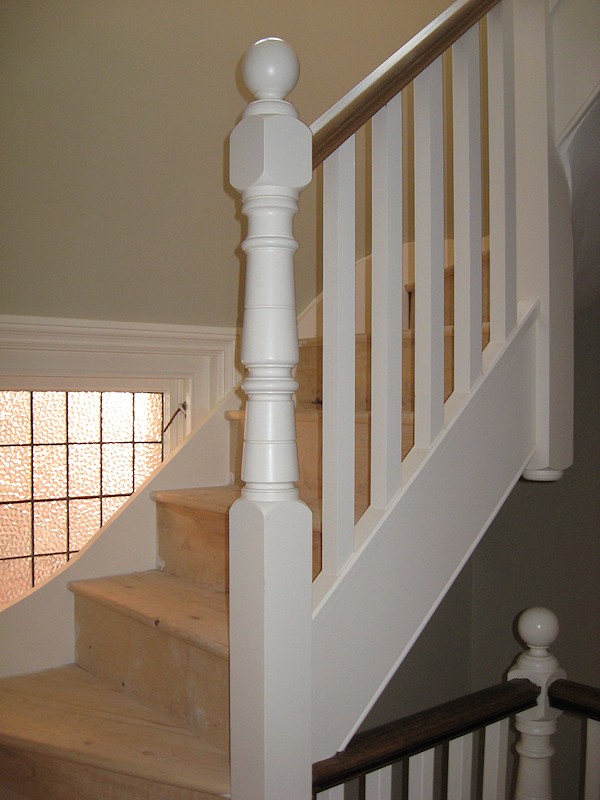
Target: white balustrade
(339,267)
(387,316)
(466,139)
(378,784)
(502,191)
(495,760)
(421,776)
(429,256)
(270,543)
(538,628)
(460,767)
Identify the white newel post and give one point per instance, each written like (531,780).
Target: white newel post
(544,239)
(270,527)
(538,627)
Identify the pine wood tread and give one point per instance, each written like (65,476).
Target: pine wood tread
(210,498)
(68,714)
(315,412)
(176,606)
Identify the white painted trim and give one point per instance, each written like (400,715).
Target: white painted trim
(198,363)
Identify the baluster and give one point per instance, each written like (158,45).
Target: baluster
(339,266)
(460,764)
(387,291)
(420,776)
(270,528)
(538,628)
(378,784)
(592,760)
(429,256)
(501,131)
(467,210)
(335,793)
(495,760)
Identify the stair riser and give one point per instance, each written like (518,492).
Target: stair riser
(185,681)
(194,545)
(26,775)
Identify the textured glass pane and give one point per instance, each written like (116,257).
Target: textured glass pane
(15,473)
(44,566)
(148,408)
(147,458)
(49,417)
(84,470)
(117,468)
(49,471)
(84,416)
(110,505)
(15,530)
(84,521)
(15,418)
(50,527)
(117,417)
(15,579)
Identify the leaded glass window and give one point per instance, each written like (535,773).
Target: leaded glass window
(68,461)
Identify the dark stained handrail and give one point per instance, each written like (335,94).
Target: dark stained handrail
(368,97)
(386,744)
(575,697)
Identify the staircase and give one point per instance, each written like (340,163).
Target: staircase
(144,711)
(402,468)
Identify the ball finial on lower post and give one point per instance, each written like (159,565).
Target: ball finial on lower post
(538,627)
(270,69)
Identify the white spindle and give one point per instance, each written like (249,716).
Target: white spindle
(467,210)
(429,256)
(421,775)
(592,760)
(502,192)
(378,784)
(339,265)
(270,542)
(387,291)
(538,628)
(460,767)
(495,760)
(544,242)
(336,793)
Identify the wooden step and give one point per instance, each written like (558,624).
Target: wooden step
(160,639)
(64,735)
(309,423)
(193,533)
(182,522)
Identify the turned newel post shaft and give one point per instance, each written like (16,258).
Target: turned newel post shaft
(538,628)
(270,528)
(271,162)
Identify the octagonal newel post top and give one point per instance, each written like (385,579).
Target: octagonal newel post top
(270,70)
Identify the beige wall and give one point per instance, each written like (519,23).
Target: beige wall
(116,114)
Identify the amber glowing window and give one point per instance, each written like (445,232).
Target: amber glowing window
(68,460)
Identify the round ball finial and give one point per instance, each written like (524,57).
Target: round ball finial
(270,69)
(538,627)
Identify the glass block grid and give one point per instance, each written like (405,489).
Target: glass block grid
(68,461)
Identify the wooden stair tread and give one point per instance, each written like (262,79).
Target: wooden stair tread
(68,714)
(315,412)
(173,605)
(211,498)
(365,338)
